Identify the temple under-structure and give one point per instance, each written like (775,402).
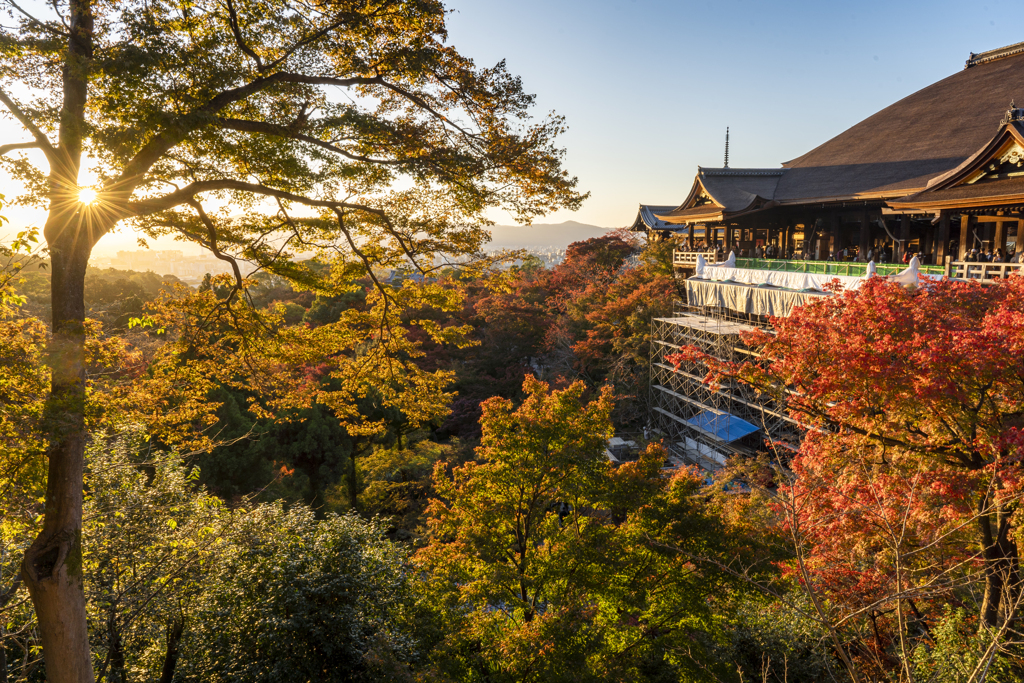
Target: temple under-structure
(941,172)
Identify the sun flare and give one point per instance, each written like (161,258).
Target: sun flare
(86,195)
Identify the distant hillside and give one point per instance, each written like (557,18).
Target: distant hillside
(559,235)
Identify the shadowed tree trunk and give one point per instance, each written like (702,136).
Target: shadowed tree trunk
(52,568)
(1002,572)
(174,631)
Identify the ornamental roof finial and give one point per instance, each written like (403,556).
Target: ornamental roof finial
(1013,115)
(727,147)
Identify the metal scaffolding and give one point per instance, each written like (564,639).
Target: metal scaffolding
(693,416)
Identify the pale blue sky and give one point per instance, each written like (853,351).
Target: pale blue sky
(648,86)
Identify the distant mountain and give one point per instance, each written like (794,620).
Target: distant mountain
(559,235)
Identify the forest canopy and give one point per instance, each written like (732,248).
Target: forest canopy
(371,452)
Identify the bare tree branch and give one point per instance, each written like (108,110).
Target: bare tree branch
(182,196)
(41,24)
(41,140)
(286,132)
(4,149)
(212,239)
(239,40)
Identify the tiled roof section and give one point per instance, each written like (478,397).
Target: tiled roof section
(699,213)
(647,220)
(995,189)
(738,188)
(901,147)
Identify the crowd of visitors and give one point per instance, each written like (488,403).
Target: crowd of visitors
(882,254)
(989,256)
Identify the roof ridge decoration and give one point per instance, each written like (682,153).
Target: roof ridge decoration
(1013,114)
(993,55)
(714,172)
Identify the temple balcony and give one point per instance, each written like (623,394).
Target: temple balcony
(984,272)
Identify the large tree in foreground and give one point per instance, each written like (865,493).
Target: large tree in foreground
(257,130)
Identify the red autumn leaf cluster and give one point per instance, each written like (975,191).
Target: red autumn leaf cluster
(907,483)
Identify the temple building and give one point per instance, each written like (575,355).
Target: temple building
(940,172)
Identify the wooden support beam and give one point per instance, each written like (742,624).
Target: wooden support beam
(986,232)
(1000,238)
(865,235)
(966,236)
(904,242)
(942,239)
(997,218)
(835,227)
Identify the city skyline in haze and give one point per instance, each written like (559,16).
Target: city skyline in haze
(648,87)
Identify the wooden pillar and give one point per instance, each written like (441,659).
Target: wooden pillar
(838,237)
(865,235)
(928,239)
(1000,237)
(904,239)
(942,239)
(828,235)
(728,239)
(966,237)
(691,237)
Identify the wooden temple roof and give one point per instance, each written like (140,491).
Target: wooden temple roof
(998,192)
(899,149)
(646,218)
(897,152)
(992,176)
(725,191)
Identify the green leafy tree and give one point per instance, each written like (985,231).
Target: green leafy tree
(296,599)
(551,565)
(151,535)
(183,110)
(396,482)
(182,587)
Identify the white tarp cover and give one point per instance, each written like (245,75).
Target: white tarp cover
(727,272)
(776,278)
(745,298)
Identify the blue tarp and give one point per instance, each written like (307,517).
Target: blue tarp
(725,428)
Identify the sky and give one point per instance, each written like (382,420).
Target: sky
(649,86)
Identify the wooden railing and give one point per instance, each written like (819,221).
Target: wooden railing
(689,258)
(849,268)
(984,272)
(852,268)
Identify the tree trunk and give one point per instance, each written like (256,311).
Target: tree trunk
(353,481)
(1002,571)
(174,631)
(52,568)
(3,654)
(116,645)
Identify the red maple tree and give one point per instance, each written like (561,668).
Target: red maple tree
(907,484)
